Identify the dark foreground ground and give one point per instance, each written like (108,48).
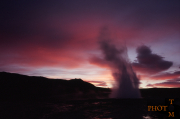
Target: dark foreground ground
(29,97)
(84,109)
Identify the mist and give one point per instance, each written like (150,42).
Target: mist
(126,83)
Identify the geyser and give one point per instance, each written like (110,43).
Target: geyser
(126,82)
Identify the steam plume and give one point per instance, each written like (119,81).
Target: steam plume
(126,82)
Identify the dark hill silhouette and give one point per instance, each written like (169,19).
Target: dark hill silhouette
(21,87)
(54,99)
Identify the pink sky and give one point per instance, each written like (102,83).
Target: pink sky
(58,39)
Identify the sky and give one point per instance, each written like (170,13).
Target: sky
(59,39)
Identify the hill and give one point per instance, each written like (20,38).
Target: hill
(21,87)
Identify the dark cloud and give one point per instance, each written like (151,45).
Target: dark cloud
(15,68)
(169,83)
(99,83)
(151,85)
(149,62)
(167,75)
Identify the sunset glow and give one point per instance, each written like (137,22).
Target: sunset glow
(59,39)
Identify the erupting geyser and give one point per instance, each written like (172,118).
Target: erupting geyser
(126,82)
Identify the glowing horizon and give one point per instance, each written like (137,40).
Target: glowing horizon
(59,39)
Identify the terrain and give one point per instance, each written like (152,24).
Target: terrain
(28,97)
